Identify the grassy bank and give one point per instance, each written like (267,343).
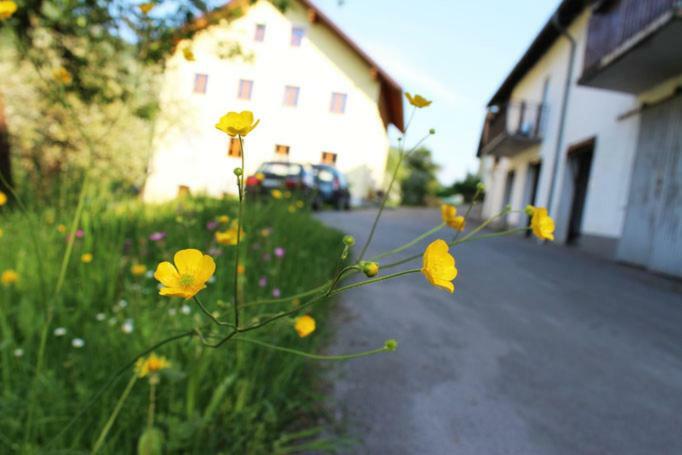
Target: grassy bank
(64,338)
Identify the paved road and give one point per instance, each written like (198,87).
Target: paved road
(541,350)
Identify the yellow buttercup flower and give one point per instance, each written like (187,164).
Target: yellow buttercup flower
(287,195)
(7,8)
(292,208)
(188,276)
(138,269)
(277,194)
(86,258)
(8,277)
(3,199)
(150,365)
(241,270)
(300,204)
(228,237)
(223,219)
(458,223)
(541,223)
(145,8)
(188,54)
(62,75)
(237,124)
(304,325)
(439,265)
(370,269)
(448,213)
(61,229)
(417,101)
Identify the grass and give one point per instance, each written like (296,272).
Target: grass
(240,398)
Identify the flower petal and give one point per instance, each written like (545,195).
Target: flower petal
(167,274)
(206,269)
(188,261)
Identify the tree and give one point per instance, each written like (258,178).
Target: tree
(466,187)
(420,181)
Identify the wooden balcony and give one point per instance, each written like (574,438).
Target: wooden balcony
(633,45)
(512,128)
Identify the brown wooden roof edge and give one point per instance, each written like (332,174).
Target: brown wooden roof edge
(567,12)
(391,93)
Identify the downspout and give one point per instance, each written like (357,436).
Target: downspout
(564,107)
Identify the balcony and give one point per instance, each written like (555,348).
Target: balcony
(512,128)
(633,45)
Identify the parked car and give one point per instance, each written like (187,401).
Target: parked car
(282,175)
(332,187)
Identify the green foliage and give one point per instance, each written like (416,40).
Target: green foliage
(420,181)
(466,187)
(240,398)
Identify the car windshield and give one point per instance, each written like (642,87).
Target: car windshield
(280,170)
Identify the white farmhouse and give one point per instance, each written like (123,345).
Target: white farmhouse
(589,124)
(318,96)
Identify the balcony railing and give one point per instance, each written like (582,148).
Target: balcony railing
(615,31)
(511,128)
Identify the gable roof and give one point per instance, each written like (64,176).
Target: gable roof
(391,93)
(567,12)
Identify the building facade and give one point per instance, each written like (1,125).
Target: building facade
(318,96)
(574,128)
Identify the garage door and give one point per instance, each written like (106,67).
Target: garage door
(652,236)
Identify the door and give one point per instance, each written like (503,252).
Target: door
(580,162)
(652,235)
(531,190)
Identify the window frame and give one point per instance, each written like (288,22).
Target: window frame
(333,155)
(286,147)
(239,89)
(233,145)
(197,78)
(344,102)
(286,95)
(259,33)
(296,39)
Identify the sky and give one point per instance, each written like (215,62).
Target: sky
(455,52)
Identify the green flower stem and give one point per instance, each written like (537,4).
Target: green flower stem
(289,298)
(493,235)
(471,206)
(110,422)
(208,313)
(373,280)
(314,356)
(466,238)
(409,244)
(152,405)
(240,184)
(385,198)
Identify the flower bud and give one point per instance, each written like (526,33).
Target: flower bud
(480,186)
(348,240)
(432,131)
(391,345)
(529,210)
(371,269)
(238,171)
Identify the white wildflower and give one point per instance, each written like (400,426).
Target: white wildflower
(18,352)
(128,326)
(77,343)
(59,332)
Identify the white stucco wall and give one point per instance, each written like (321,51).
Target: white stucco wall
(188,150)
(591,113)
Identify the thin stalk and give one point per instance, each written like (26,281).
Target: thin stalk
(289,298)
(314,356)
(240,185)
(208,313)
(385,198)
(110,422)
(409,244)
(152,405)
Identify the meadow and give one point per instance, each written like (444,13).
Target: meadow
(79,309)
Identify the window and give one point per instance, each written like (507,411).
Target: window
(291,95)
(245,89)
(260,33)
(338,105)
(329,158)
(200,83)
(297,34)
(234,150)
(282,150)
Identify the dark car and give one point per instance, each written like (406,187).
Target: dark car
(332,187)
(283,175)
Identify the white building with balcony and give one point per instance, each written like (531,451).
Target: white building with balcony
(318,96)
(588,123)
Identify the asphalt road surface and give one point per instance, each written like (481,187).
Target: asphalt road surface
(541,350)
